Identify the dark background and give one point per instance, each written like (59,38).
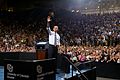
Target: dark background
(20,5)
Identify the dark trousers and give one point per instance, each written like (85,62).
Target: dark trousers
(52,53)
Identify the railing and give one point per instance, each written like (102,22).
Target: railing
(82,77)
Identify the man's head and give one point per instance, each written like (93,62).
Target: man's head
(55,28)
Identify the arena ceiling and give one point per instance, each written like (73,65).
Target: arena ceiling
(80,4)
(24,4)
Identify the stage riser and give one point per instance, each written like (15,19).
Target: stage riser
(17,56)
(30,69)
(109,70)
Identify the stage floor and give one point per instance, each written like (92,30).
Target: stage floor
(59,76)
(1,73)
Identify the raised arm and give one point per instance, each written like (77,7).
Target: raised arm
(48,25)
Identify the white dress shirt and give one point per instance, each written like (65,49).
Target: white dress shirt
(52,36)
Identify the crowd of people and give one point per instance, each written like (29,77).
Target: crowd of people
(20,32)
(98,54)
(91,37)
(94,36)
(92,29)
